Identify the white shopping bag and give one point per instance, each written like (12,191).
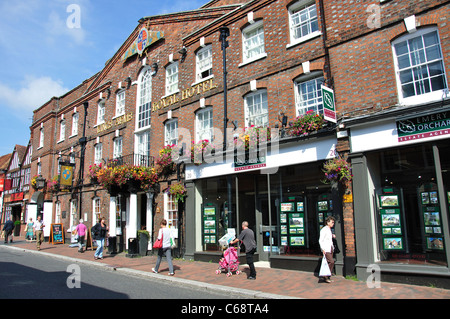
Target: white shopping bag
(324,269)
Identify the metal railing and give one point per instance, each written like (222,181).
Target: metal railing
(132,159)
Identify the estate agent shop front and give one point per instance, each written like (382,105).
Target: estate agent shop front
(401,167)
(282,197)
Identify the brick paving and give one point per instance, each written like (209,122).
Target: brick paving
(270,283)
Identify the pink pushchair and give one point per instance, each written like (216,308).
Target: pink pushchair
(229,263)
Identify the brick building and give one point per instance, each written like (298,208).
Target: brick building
(166,85)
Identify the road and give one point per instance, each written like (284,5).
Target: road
(26,275)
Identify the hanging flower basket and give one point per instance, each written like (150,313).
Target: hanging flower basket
(165,164)
(199,150)
(337,169)
(93,171)
(53,184)
(135,177)
(306,124)
(252,137)
(178,190)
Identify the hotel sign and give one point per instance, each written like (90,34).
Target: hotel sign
(114,122)
(184,94)
(424,126)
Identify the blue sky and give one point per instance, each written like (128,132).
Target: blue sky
(48,47)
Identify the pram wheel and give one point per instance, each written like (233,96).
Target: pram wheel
(218,272)
(237,272)
(229,274)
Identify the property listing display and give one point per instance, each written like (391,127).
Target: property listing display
(432,222)
(209,226)
(292,223)
(324,209)
(392,233)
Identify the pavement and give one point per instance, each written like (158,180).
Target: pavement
(270,283)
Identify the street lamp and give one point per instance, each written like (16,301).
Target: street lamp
(40,182)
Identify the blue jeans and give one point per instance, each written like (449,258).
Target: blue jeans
(168,252)
(99,251)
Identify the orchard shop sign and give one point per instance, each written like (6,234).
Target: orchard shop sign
(184,94)
(424,126)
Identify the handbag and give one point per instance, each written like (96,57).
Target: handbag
(158,243)
(324,269)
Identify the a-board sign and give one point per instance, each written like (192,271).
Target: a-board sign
(57,234)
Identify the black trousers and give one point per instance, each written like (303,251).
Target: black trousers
(249,257)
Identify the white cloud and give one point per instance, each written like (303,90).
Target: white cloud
(34,92)
(65,26)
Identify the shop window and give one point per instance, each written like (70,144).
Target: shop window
(256,109)
(171,132)
(204,63)
(253,42)
(144,98)
(308,94)
(204,125)
(408,211)
(172,78)
(419,66)
(303,21)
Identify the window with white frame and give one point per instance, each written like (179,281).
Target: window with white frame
(96,209)
(253,42)
(303,20)
(171,132)
(308,94)
(204,63)
(98,153)
(62,130)
(419,66)
(120,103)
(41,137)
(256,109)
(73,212)
(118,145)
(204,125)
(75,124)
(144,98)
(39,168)
(142,149)
(58,213)
(171,210)
(172,78)
(101,112)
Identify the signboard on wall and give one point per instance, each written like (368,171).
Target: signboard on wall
(329,109)
(424,126)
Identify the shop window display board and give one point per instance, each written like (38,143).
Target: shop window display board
(292,223)
(432,221)
(390,212)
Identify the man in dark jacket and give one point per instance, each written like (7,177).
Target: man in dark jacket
(247,237)
(8,228)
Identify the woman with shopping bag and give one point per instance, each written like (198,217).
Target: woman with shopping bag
(326,245)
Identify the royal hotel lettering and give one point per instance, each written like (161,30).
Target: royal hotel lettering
(184,94)
(114,122)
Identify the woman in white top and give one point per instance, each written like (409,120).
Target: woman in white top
(326,243)
(166,248)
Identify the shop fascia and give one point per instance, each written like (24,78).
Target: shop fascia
(173,99)
(424,126)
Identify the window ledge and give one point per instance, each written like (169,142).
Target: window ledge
(259,57)
(303,39)
(203,80)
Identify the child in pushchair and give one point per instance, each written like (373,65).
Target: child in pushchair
(230,262)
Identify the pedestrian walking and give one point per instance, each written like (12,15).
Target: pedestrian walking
(326,244)
(29,235)
(7,229)
(165,235)
(247,237)
(38,232)
(81,230)
(99,232)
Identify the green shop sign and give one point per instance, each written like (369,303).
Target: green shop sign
(424,126)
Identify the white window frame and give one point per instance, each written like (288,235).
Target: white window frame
(305,8)
(98,149)
(171,132)
(62,130)
(256,113)
(101,112)
(120,103)
(172,78)
(424,97)
(313,100)
(204,63)
(118,147)
(204,125)
(96,209)
(248,38)
(41,138)
(75,118)
(171,208)
(73,213)
(144,99)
